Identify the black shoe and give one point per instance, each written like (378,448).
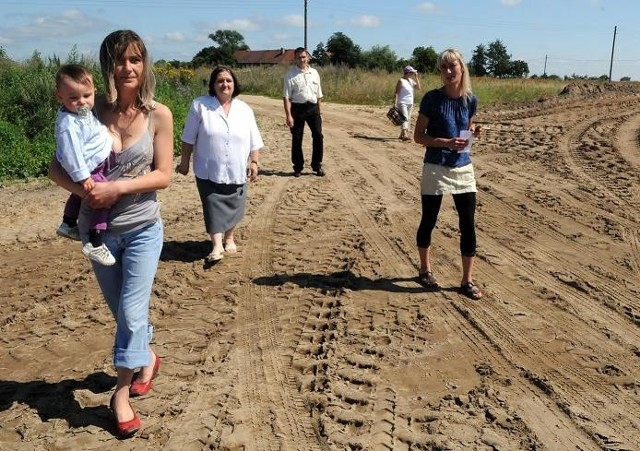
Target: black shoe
(320,172)
(297,173)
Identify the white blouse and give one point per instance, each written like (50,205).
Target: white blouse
(221,143)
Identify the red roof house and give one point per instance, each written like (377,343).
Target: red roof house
(258,57)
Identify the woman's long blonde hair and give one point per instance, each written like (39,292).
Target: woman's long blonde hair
(450,56)
(111,51)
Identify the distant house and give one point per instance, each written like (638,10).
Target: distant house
(264,57)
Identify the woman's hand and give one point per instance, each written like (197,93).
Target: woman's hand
(104,195)
(457,144)
(477,130)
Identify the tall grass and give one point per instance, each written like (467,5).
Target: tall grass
(28,104)
(366,87)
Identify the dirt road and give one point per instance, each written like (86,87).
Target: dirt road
(317,336)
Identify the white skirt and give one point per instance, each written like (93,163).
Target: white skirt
(438,180)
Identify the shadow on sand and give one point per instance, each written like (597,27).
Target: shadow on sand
(347,280)
(53,400)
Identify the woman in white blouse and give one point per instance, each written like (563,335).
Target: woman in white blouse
(222,133)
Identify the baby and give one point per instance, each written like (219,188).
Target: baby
(83,146)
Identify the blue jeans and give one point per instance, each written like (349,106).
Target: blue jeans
(126,286)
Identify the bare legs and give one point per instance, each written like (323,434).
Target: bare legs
(146,373)
(425,264)
(121,406)
(229,241)
(216,239)
(425,259)
(223,242)
(467,269)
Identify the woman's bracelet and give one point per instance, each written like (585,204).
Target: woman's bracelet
(254,161)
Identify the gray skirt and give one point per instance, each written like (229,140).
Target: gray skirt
(222,205)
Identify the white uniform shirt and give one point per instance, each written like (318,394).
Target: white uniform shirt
(302,86)
(221,144)
(82,143)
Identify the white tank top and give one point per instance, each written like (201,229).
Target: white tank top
(406,91)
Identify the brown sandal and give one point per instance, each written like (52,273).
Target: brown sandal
(428,280)
(470,290)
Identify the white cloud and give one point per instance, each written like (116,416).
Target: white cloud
(293,20)
(510,2)
(427,7)
(175,36)
(68,23)
(239,25)
(366,21)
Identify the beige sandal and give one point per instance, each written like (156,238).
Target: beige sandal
(214,257)
(230,247)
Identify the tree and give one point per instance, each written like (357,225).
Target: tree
(319,55)
(342,50)
(425,59)
(519,69)
(498,60)
(208,56)
(478,63)
(380,57)
(228,42)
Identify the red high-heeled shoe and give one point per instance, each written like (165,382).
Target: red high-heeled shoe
(142,388)
(125,429)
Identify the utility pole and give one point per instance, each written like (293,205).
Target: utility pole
(544,73)
(305,24)
(612,49)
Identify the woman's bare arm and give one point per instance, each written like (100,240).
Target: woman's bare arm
(62,179)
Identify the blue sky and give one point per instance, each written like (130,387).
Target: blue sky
(570,36)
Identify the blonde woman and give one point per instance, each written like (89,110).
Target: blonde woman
(446,113)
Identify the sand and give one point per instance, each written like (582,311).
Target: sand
(317,336)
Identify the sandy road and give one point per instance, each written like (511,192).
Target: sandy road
(317,335)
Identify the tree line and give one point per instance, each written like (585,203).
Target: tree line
(492,59)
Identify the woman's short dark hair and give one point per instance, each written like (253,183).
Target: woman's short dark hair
(214,77)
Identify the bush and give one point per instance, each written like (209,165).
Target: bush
(176,88)
(16,160)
